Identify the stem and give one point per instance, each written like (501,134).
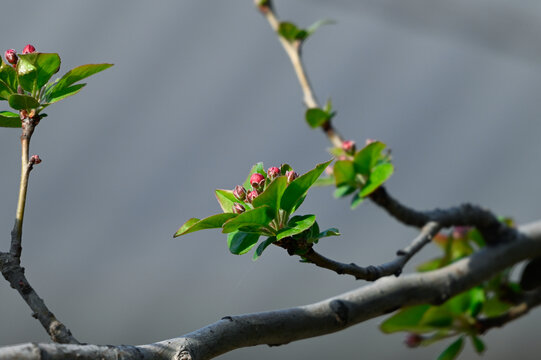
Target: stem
(16,234)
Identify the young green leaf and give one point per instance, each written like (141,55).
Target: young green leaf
(272,195)
(478,344)
(356,201)
(344,190)
(378,176)
(289,31)
(77,74)
(211,222)
(63,93)
(240,242)
(368,157)
(407,319)
(312,28)
(8,76)
(298,187)
(226,199)
(324,181)
(35,69)
(315,117)
(9,119)
(260,216)
(20,102)
(344,172)
(262,247)
(453,350)
(296,225)
(328,232)
(5,91)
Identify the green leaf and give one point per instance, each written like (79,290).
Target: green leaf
(8,77)
(298,187)
(344,190)
(317,117)
(288,31)
(211,222)
(312,28)
(20,102)
(478,344)
(272,195)
(324,181)
(328,232)
(296,225)
(35,69)
(437,317)
(240,242)
(262,247)
(9,119)
(430,265)
(368,157)
(63,93)
(257,168)
(284,168)
(453,350)
(477,299)
(495,307)
(356,201)
(226,199)
(407,319)
(77,74)
(379,175)
(344,172)
(259,217)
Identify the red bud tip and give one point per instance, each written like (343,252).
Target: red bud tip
(35,159)
(29,49)
(273,172)
(11,56)
(239,192)
(257,180)
(238,208)
(291,175)
(349,146)
(251,196)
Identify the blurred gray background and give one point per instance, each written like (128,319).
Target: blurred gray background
(200,91)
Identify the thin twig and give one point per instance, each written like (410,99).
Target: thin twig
(293,51)
(372,273)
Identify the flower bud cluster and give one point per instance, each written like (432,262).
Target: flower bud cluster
(11,54)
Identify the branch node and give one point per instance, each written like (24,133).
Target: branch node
(340,310)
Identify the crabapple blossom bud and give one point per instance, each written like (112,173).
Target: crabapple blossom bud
(291,175)
(273,172)
(349,146)
(11,56)
(28,49)
(238,208)
(239,192)
(413,340)
(35,159)
(251,196)
(257,181)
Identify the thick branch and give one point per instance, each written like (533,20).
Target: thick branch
(283,326)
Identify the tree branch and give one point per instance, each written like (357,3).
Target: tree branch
(372,273)
(283,326)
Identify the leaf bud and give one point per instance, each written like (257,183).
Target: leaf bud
(349,146)
(291,175)
(257,181)
(239,192)
(11,56)
(273,172)
(251,196)
(238,208)
(29,49)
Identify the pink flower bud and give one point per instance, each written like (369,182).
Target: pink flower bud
(251,196)
(273,172)
(239,192)
(11,56)
(35,159)
(291,175)
(349,146)
(370,141)
(238,208)
(257,180)
(413,340)
(28,49)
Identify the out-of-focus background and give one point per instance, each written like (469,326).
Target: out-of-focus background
(200,91)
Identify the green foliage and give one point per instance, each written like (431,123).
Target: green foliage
(26,86)
(459,315)
(291,32)
(269,214)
